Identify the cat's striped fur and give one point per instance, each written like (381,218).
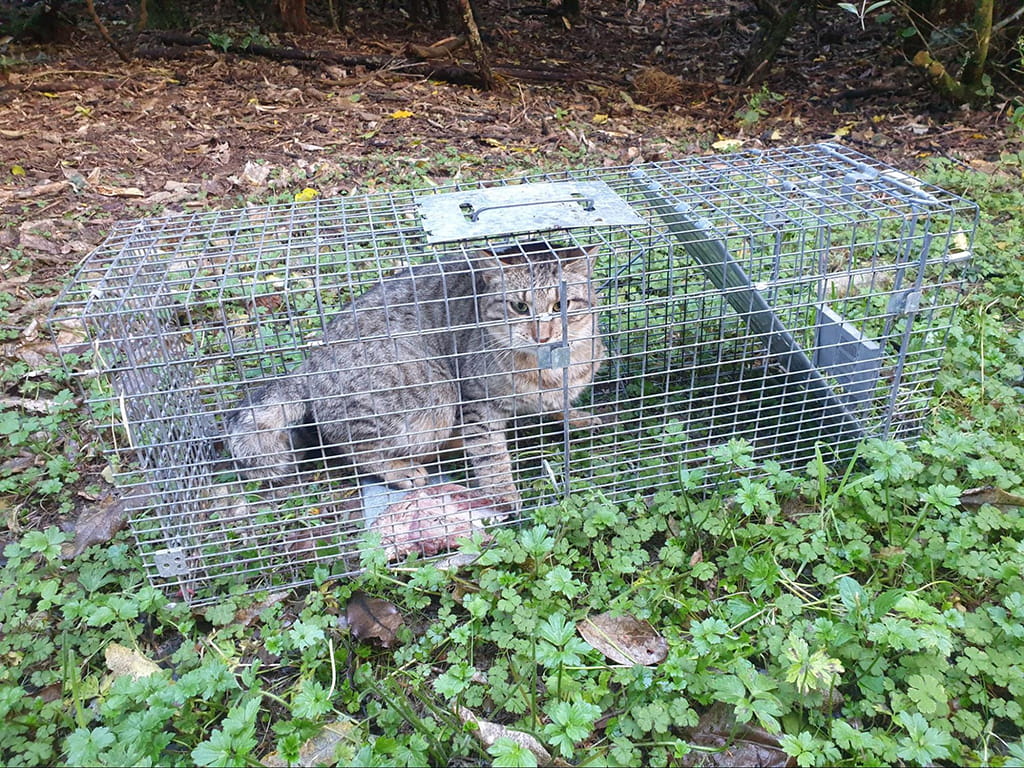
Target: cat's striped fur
(439,355)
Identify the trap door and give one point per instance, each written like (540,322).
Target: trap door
(164,437)
(831,417)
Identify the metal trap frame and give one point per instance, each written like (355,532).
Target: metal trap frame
(797,299)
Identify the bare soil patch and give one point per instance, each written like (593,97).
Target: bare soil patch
(98,139)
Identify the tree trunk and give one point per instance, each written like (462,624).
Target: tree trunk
(767,43)
(970,85)
(476,45)
(293,16)
(982,27)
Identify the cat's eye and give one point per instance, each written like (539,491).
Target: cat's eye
(520,307)
(570,306)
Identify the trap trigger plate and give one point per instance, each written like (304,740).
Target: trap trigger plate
(517,208)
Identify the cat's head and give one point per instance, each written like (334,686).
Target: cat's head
(527,287)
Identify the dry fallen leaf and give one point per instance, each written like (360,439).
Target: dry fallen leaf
(728,743)
(39,244)
(727,145)
(50,693)
(246,616)
(371,618)
(997,497)
(38,355)
(45,188)
(269,301)
(255,174)
(124,661)
(17,464)
(327,747)
(173,192)
(108,191)
(624,639)
(97,524)
(487,733)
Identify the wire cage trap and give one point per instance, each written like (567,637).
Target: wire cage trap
(287,386)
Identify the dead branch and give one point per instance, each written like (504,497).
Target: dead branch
(172,45)
(442,49)
(1009,19)
(91,6)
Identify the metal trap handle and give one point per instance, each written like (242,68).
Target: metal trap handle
(587,203)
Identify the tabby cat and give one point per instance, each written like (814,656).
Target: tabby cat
(440,355)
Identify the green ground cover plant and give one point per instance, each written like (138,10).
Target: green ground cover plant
(872,615)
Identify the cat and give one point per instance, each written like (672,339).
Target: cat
(440,355)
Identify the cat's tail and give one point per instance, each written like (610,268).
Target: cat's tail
(263,432)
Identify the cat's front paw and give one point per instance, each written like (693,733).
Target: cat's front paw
(580,419)
(405,476)
(507,499)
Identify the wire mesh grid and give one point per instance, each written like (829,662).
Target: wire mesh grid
(287,387)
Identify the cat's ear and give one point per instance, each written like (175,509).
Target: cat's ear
(492,266)
(583,264)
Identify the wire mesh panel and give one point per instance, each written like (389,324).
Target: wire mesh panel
(287,387)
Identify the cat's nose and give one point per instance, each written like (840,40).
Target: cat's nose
(543,333)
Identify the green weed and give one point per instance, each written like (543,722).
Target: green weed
(757,107)
(870,615)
